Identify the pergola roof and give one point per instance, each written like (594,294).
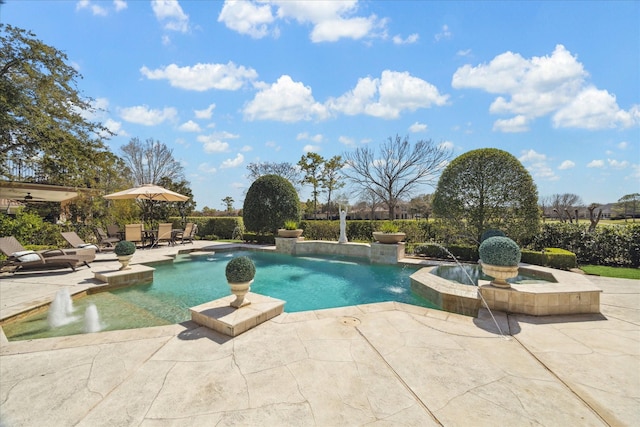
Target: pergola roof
(38,192)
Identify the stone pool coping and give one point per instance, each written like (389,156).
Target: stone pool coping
(388,363)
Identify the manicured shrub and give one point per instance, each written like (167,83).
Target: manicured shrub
(500,251)
(240,269)
(270,201)
(124,248)
(550,257)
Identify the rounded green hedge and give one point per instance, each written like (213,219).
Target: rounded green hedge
(270,201)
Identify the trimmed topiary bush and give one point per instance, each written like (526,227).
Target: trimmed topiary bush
(492,232)
(270,201)
(240,269)
(500,251)
(124,247)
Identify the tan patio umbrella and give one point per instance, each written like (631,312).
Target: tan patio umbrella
(148,192)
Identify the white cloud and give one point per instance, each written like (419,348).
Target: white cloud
(215,143)
(388,96)
(596,164)
(537,164)
(532,156)
(171,14)
(96,10)
(190,126)
(305,136)
(246,148)
(417,127)
(413,38)
(311,148)
(273,145)
(567,164)
(330,20)
(119,5)
(444,34)
(545,85)
(285,101)
(143,115)
(206,113)
(623,145)
(201,77)
(595,109)
(207,168)
(247,17)
(466,52)
(233,163)
(115,127)
(349,142)
(446,145)
(617,164)
(518,123)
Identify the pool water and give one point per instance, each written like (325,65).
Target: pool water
(305,283)
(462,273)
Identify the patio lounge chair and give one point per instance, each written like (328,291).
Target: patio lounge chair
(74,240)
(20,258)
(104,240)
(114,231)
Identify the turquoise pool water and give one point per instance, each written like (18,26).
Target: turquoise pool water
(305,283)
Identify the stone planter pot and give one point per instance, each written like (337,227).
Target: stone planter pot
(240,290)
(290,233)
(388,238)
(500,274)
(124,260)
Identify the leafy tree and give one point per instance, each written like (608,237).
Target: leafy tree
(421,205)
(270,201)
(311,165)
(488,188)
(42,115)
(397,170)
(628,206)
(160,211)
(330,179)
(228,202)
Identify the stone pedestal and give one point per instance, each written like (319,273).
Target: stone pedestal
(219,316)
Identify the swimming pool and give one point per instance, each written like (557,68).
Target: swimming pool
(305,283)
(462,273)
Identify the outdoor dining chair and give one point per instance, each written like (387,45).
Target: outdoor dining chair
(165,234)
(133,233)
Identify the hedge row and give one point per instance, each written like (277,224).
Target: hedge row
(550,257)
(362,231)
(214,228)
(615,245)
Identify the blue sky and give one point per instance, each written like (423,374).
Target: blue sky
(224,84)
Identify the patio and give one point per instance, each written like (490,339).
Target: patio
(382,364)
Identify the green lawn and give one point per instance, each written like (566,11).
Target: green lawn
(617,272)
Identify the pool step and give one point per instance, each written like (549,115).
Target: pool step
(221,317)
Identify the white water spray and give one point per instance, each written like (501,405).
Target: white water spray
(92,319)
(61,310)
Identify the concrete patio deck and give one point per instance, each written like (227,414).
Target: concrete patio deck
(386,364)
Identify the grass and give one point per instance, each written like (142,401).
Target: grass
(617,272)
